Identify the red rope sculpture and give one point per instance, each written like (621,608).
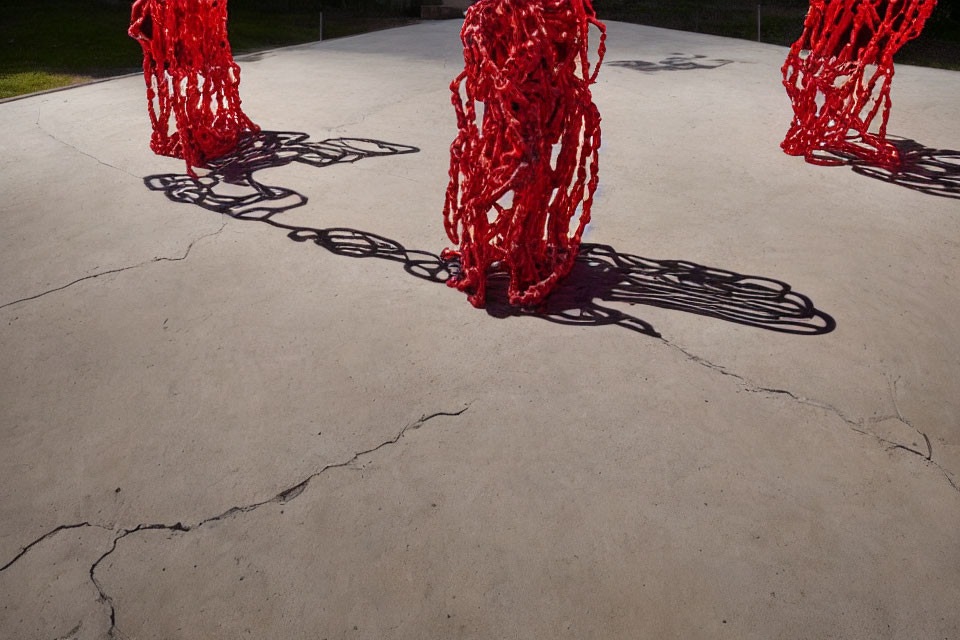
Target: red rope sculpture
(518,179)
(191,77)
(839,73)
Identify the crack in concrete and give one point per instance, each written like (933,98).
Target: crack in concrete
(752,387)
(78,150)
(102,595)
(49,534)
(896,406)
(293,492)
(893,445)
(855,425)
(283,497)
(185,255)
(72,633)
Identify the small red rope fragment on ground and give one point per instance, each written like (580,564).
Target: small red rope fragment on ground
(191,78)
(838,76)
(519,178)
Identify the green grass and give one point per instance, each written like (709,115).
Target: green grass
(63,40)
(17,84)
(46,44)
(50,43)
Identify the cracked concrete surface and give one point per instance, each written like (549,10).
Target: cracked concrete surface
(185,255)
(877,427)
(211,431)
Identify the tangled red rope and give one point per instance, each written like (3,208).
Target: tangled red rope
(191,76)
(839,73)
(518,179)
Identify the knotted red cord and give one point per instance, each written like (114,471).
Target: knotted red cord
(844,80)
(517,180)
(191,76)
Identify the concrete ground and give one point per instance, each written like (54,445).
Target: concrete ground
(210,430)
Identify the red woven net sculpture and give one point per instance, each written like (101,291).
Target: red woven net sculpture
(519,178)
(838,76)
(191,78)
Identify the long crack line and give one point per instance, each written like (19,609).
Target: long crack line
(78,150)
(854,425)
(49,534)
(290,493)
(752,387)
(283,497)
(121,269)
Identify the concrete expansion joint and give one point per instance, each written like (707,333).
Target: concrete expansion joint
(93,276)
(855,425)
(283,497)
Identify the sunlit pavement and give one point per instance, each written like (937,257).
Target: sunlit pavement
(269,418)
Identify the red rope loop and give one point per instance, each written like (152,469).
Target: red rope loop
(191,78)
(839,73)
(518,179)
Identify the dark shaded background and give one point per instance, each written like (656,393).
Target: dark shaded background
(88,37)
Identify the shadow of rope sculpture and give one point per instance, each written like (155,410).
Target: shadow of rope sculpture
(518,179)
(600,278)
(191,78)
(229,186)
(674,62)
(839,73)
(935,172)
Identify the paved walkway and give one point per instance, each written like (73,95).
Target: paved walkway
(278,423)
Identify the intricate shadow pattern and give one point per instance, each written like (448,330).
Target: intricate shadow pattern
(935,172)
(230,187)
(352,243)
(676,62)
(601,276)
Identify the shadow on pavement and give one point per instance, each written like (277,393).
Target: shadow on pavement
(675,62)
(228,186)
(601,275)
(935,172)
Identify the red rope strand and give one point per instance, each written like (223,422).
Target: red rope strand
(191,78)
(839,73)
(518,179)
